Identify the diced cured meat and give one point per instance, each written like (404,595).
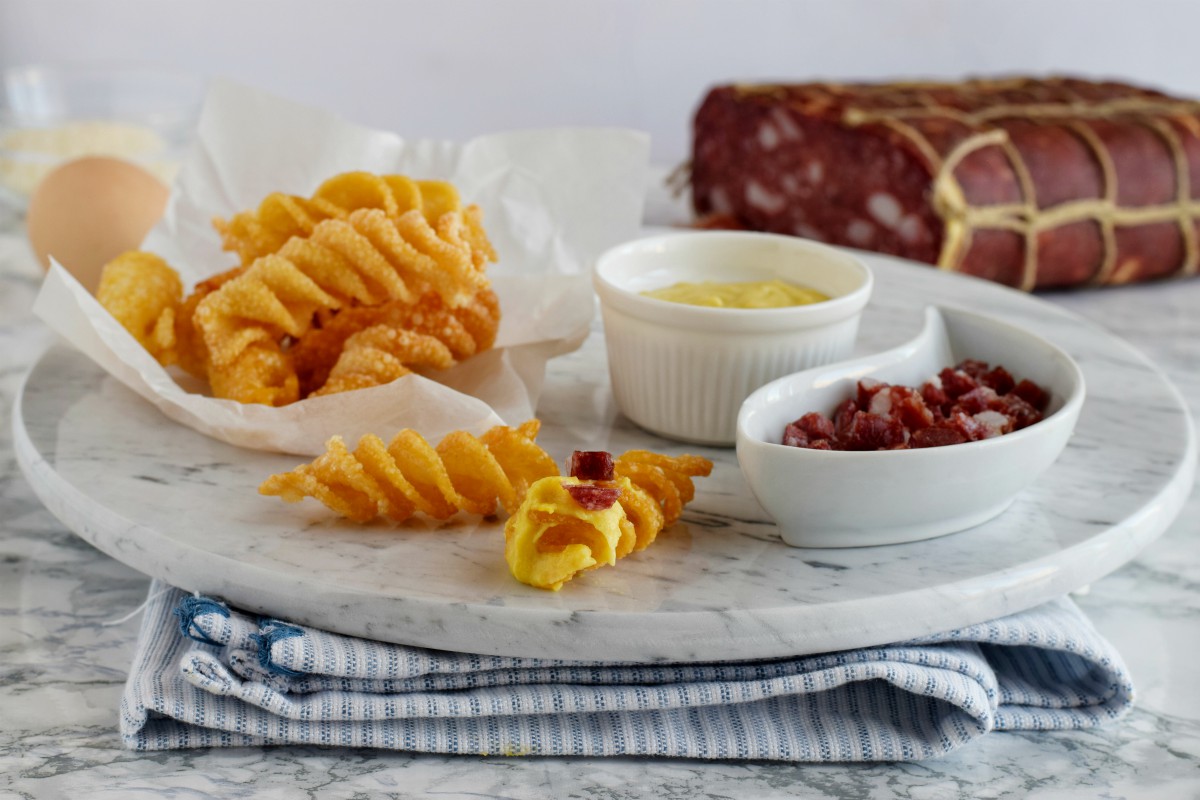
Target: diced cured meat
(908,406)
(880,401)
(1033,394)
(965,403)
(794,436)
(809,429)
(867,388)
(999,380)
(817,426)
(1021,412)
(1035,183)
(592,465)
(874,432)
(592,497)
(956,382)
(993,423)
(844,416)
(978,399)
(965,424)
(973,367)
(935,398)
(937,436)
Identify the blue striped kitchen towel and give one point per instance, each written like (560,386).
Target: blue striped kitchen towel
(209,675)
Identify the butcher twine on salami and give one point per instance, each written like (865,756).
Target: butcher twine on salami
(1035,183)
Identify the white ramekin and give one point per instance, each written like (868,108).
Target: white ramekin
(683,371)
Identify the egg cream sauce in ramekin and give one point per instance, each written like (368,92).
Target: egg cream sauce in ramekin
(743,294)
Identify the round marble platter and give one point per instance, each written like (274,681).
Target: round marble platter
(719,585)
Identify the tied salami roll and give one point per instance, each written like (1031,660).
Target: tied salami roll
(1032,183)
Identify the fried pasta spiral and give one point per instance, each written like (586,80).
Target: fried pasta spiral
(463,331)
(262,373)
(381,354)
(407,476)
(143,293)
(271,299)
(552,538)
(372,277)
(667,479)
(558,526)
(282,217)
(280,293)
(192,352)
(565,527)
(370,258)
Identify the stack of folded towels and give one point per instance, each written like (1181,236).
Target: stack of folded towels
(209,675)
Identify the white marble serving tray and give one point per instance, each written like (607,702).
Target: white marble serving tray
(719,585)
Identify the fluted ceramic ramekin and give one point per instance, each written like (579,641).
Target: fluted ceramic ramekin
(683,371)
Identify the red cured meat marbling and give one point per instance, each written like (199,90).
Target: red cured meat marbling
(591,497)
(1034,183)
(965,403)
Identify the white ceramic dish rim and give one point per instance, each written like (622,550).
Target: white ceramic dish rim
(682,315)
(756,403)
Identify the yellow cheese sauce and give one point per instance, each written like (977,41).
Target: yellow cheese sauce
(743,294)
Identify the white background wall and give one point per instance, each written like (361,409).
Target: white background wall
(455,67)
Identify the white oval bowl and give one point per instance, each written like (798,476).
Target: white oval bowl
(851,499)
(683,371)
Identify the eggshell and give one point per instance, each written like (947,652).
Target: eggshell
(90,210)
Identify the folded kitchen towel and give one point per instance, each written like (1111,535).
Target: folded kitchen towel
(209,675)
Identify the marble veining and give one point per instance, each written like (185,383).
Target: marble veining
(62,665)
(175,504)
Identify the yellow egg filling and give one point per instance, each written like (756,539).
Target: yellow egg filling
(739,294)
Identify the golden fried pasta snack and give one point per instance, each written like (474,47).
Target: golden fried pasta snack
(558,526)
(381,354)
(370,258)
(370,278)
(463,331)
(408,476)
(552,537)
(192,352)
(667,479)
(143,293)
(603,512)
(364,259)
(262,373)
(281,217)
(271,299)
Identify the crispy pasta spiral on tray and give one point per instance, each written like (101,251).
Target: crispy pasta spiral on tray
(371,278)
(408,475)
(603,512)
(558,526)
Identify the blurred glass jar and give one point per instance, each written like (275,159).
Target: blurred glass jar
(49,115)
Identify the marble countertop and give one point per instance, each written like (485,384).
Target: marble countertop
(67,639)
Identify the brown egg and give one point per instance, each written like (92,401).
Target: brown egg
(90,210)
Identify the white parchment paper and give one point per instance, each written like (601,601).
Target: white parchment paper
(552,200)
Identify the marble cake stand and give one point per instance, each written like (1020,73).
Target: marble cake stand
(720,585)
